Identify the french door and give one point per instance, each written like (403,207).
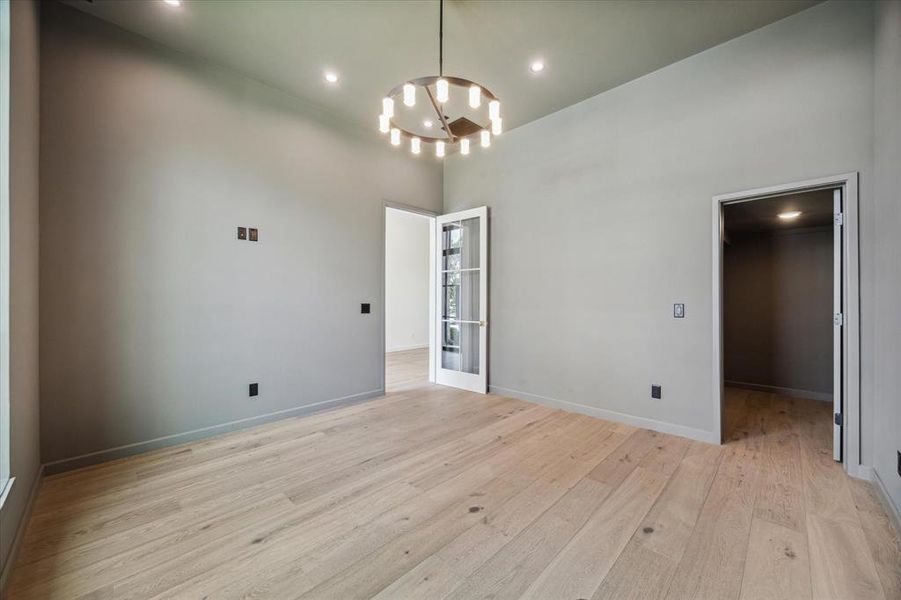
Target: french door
(461,328)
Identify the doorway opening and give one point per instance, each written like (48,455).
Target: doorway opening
(408,297)
(786,311)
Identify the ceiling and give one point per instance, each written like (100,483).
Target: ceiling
(588,47)
(761,215)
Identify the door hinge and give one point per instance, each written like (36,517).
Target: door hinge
(839,219)
(838,419)
(838,319)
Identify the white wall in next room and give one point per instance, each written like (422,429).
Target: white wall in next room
(406,280)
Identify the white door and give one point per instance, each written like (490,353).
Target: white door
(838,327)
(461,329)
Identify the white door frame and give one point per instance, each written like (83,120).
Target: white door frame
(432,278)
(848,182)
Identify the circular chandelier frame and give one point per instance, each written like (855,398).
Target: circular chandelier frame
(425,83)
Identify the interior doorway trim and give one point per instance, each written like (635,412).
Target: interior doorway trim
(848,182)
(432,300)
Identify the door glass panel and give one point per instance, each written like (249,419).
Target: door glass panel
(460,298)
(460,347)
(460,279)
(460,245)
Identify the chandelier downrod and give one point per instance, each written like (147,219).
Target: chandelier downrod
(468,124)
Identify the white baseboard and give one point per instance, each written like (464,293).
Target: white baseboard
(784,391)
(893,511)
(20,531)
(709,437)
(84,460)
(405,348)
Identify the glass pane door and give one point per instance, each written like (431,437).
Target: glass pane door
(461,296)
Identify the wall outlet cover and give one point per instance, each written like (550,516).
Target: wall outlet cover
(364,308)
(656,392)
(679,311)
(254,389)
(242,233)
(254,234)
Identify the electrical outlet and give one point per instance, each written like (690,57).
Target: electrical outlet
(364,308)
(656,392)
(242,233)
(678,311)
(254,234)
(254,389)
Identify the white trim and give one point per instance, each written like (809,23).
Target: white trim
(406,348)
(91,458)
(5,202)
(5,487)
(862,472)
(710,437)
(851,297)
(893,511)
(21,527)
(386,204)
(773,389)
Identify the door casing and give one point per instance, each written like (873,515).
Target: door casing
(432,306)
(848,183)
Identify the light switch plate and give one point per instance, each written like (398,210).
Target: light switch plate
(678,311)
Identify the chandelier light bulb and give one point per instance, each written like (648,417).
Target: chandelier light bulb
(475,96)
(497,126)
(442,90)
(464,147)
(439,149)
(395,136)
(486,138)
(384,123)
(388,107)
(415,145)
(494,110)
(409,94)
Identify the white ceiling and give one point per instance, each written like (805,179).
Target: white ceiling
(588,46)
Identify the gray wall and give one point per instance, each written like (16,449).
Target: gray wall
(888,248)
(777,310)
(24,440)
(154,318)
(602,212)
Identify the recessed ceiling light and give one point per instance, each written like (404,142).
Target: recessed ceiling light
(427,124)
(331,77)
(537,66)
(792,214)
(173,2)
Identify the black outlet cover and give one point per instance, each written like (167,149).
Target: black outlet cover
(242,233)
(656,392)
(254,234)
(254,389)
(364,308)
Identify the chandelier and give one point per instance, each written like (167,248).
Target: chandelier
(478,110)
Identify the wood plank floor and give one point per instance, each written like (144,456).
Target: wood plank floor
(436,493)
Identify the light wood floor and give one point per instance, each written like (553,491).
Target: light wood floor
(435,493)
(406,369)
